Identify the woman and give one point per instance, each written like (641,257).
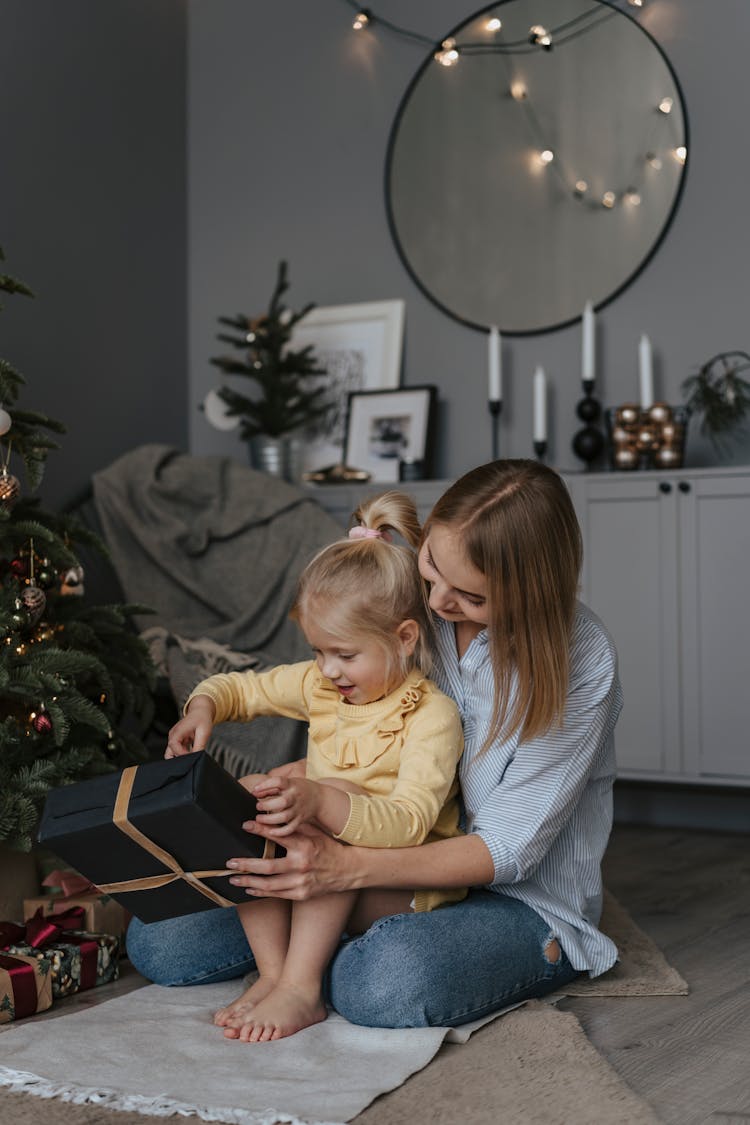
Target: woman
(534,675)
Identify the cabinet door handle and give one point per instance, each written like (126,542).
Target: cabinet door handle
(684,486)
(665,486)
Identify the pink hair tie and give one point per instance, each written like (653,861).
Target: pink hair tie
(360,532)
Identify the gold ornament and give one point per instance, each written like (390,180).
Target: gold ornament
(660,412)
(647,439)
(34,600)
(626,458)
(10,489)
(668,458)
(629,414)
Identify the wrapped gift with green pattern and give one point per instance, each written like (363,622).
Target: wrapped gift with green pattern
(77,959)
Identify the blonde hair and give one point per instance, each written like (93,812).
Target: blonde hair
(518,527)
(370,585)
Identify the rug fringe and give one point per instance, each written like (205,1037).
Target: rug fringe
(22,1082)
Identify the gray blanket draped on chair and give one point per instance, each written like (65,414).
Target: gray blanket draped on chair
(215,549)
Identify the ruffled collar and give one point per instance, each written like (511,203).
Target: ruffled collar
(330,725)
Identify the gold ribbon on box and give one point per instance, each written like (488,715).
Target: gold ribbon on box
(153,882)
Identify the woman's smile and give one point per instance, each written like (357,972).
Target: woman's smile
(458,591)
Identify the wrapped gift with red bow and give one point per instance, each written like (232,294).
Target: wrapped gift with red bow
(74,959)
(25,986)
(101,914)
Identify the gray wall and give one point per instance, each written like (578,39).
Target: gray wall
(92,217)
(289,115)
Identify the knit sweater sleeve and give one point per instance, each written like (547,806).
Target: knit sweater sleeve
(433,742)
(242,696)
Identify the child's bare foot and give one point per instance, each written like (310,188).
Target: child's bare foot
(287,1009)
(236,1012)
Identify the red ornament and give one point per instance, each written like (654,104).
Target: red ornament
(19,567)
(42,723)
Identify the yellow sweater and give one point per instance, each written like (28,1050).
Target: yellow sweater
(403,749)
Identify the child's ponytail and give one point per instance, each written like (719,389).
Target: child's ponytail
(391,511)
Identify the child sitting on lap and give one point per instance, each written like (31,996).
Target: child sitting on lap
(380,771)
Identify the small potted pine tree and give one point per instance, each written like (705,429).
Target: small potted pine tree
(289,392)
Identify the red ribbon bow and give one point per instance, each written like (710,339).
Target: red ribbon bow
(41,932)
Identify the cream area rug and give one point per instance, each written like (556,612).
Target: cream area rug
(155,1053)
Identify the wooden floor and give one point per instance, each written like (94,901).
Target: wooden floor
(689,1057)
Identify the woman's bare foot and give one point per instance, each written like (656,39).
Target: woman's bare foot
(286,1010)
(236,1012)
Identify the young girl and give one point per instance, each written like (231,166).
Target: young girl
(534,674)
(383,749)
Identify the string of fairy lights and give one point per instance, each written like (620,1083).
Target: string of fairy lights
(448,53)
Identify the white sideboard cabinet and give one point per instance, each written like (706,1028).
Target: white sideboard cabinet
(667,568)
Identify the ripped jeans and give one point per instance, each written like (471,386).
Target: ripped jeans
(441,968)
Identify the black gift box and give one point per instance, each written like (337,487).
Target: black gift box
(188,806)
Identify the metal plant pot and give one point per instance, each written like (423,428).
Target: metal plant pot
(278,456)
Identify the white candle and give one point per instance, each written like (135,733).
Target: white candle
(646,375)
(495,366)
(540,405)
(587,362)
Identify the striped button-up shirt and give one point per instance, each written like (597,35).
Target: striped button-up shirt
(544,807)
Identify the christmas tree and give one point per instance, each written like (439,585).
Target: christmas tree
(285,400)
(75,679)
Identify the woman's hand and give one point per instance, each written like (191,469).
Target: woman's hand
(192,731)
(314,865)
(250,780)
(284,803)
(290,769)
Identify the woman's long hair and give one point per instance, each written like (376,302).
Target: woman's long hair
(370,585)
(517,526)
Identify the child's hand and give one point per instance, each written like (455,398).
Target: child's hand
(192,732)
(286,802)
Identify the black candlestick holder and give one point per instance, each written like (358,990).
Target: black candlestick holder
(540,448)
(495,406)
(588,443)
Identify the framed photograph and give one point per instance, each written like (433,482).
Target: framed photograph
(386,427)
(360,346)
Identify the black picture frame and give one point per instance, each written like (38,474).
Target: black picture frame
(390,432)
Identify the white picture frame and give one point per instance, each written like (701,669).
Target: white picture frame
(361,344)
(387,427)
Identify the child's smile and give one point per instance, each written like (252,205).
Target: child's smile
(356,664)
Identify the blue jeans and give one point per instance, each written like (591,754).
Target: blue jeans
(436,969)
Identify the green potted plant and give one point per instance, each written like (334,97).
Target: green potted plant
(720,395)
(290,394)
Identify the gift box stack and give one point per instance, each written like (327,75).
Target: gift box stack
(50,957)
(67,889)
(154,839)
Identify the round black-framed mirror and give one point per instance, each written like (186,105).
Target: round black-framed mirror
(493,231)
